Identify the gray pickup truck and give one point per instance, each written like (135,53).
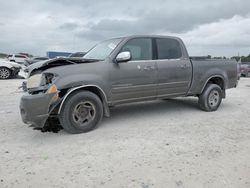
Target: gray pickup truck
(79,91)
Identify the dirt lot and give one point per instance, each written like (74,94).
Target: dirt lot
(154,144)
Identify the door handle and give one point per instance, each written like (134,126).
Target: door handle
(149,68)
(183,66)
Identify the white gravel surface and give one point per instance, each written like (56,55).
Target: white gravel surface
(157,144)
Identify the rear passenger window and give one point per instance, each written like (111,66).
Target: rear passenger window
(140,49)
(20,56)
(168,48)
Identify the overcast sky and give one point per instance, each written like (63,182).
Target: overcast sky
(216,27)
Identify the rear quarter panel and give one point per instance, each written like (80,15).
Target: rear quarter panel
(203,70)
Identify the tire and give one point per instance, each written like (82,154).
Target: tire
(211,98)
(5,73)
(81,112)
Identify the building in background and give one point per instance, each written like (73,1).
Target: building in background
(52,54)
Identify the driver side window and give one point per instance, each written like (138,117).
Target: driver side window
(140,49)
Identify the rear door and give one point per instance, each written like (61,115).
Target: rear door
(136,79)
(174,70)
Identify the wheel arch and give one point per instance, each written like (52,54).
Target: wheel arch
(9,68)
(218,80)
(92,88)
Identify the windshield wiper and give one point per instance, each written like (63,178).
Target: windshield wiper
(71,61)
(90,59)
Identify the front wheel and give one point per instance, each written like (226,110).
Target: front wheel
(5,73)
(211,98)
(81,112)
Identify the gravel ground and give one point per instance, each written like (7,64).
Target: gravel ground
(155,144)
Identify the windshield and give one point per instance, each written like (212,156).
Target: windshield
(103,49)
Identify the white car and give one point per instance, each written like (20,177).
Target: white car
(18,58)
(9,69)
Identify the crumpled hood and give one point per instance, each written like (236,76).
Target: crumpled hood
(37,64)
(61,61)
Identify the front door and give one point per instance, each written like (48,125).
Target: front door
(136,79)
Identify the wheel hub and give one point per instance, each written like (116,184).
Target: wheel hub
(214,98)
(84,112)
(4,73)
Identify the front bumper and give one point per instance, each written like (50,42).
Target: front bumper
(35,109)
(23,74)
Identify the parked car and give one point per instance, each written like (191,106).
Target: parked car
(36,59)
(77,54)
(18,58)
(245,70)
(238,70)
(79,91)
(8,69)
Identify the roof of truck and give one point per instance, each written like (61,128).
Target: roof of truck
(144,35)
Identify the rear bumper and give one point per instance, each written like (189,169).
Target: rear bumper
(35,109)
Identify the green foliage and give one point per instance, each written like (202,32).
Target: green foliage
(245,59)
(2,55)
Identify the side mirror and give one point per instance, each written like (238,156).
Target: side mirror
(123,57)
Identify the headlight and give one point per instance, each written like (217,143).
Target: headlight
(39,80)
(47,78)
(34,81)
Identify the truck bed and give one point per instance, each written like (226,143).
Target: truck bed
(205,69)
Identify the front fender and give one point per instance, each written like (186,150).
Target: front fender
(88,88)
(72,81)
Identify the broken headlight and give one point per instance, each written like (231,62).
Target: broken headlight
(40,80)
(34,81)
(47,78)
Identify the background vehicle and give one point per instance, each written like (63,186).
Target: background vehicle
(21,59)
(36,59)
(79,91)
(245,70)
(8,69)
(53,54)
(77,54)
(238,70)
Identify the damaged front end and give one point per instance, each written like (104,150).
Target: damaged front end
(56,62)
(41,99)
(42,95)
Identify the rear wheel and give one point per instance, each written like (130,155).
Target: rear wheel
(211,98)
(81,112)
(5,73)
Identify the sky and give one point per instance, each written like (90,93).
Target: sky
(214,27)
